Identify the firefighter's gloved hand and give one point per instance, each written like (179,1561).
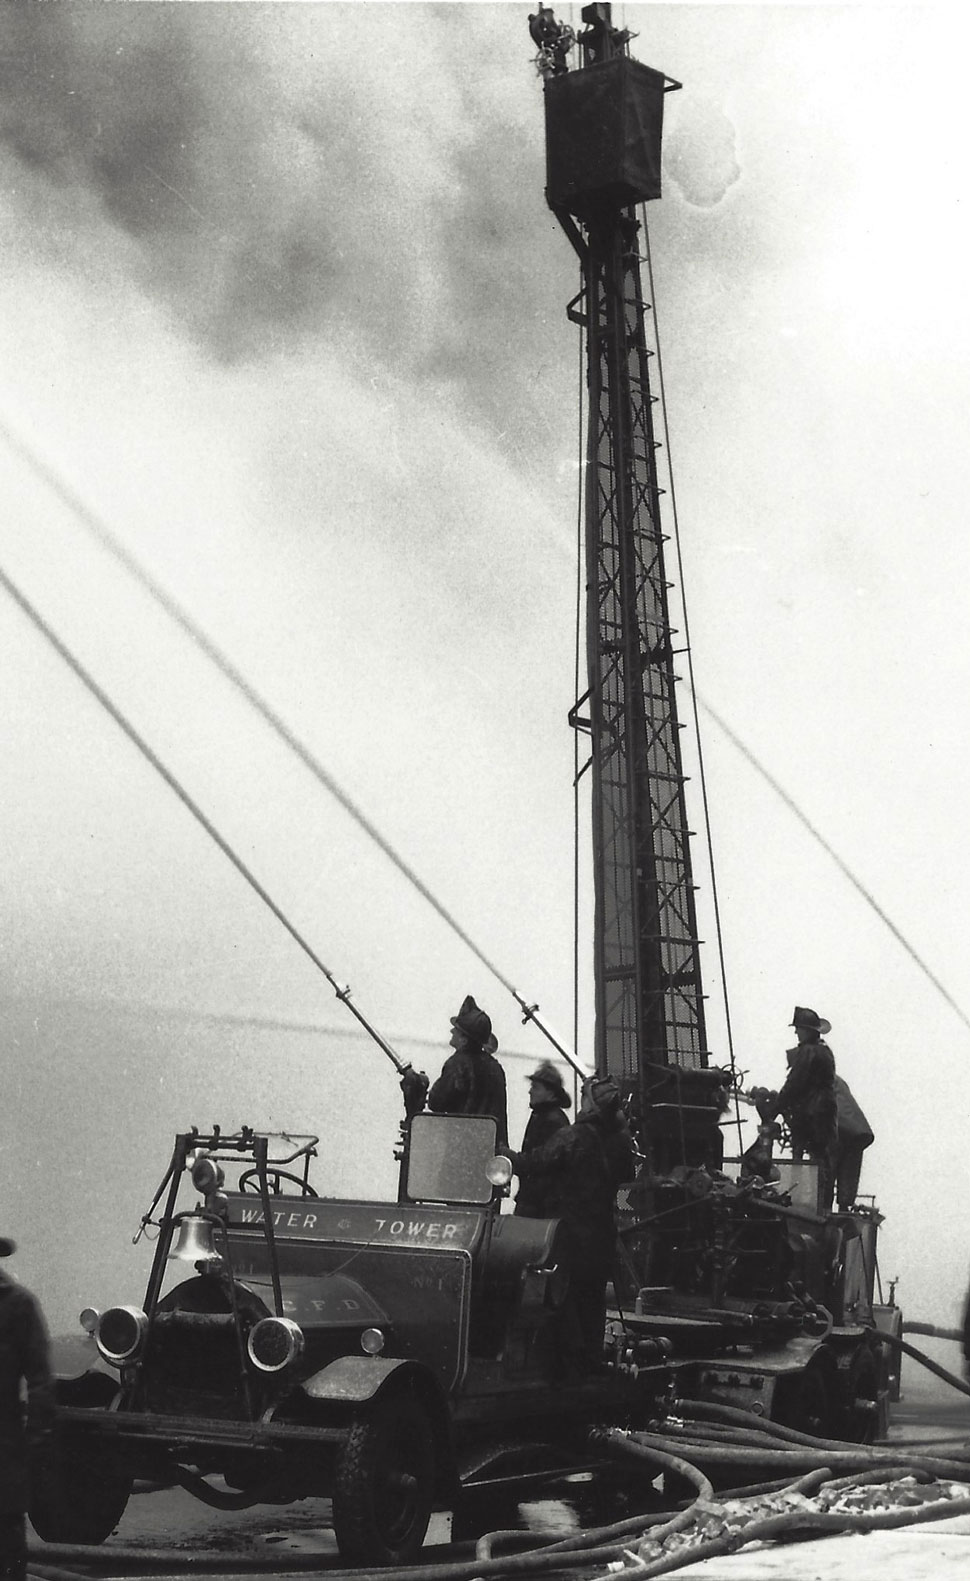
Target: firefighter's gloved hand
(414,1085)
(764,1102)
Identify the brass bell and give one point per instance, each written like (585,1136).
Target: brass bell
(195,1242)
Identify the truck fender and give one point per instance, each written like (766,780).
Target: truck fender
(358,1380)
(355,1379)
(80,1374)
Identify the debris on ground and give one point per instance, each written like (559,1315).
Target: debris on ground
(725,1525)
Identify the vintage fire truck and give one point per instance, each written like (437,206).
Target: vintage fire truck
(389,1355)
(393,1356)
(384,1355)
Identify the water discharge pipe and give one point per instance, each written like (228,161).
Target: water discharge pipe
(530,1013)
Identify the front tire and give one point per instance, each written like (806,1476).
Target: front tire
(384,1487)
(78,1499)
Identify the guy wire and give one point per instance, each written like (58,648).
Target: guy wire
(114,547)
(191,806)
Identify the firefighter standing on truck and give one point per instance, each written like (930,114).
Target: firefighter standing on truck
(807,1100)
(548,1101)
(471,1082)
(582,1167)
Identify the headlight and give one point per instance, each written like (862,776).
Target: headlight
(120,1332)
(498,1171)
(88,1319)
(274,1342)
(207,1175)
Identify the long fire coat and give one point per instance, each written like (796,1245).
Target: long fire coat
(23,1357)
(807,1100)
(472,1082)
(533,1196)
(581,1167)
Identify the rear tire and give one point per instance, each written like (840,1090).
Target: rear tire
(384,1487)
(806,1400)
(862,1413)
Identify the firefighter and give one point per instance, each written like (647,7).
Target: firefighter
(471,1082)
(807,1100)
(548,1101)
(583,1165)
(855,1134)
(25,1440)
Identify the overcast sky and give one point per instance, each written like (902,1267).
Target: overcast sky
(284,306)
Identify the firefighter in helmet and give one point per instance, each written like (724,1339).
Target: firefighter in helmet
(582,1166)
(548,1102)
(471,1082)
(807,1100)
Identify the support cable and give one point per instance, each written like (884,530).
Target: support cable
(699,702)
(116,549)
(675,522)
(87,680)
(843,868)
(578,667)
(112,545)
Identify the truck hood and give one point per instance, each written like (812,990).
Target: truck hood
(321,1301)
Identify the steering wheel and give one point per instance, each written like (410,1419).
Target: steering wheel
(273,1177)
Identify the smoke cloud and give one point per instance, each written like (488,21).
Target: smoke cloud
(238,161)
(700,155)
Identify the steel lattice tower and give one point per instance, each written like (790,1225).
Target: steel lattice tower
(649,1004)
(604,124)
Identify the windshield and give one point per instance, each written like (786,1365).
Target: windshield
(448,1157)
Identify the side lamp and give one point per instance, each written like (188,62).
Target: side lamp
(498,1171)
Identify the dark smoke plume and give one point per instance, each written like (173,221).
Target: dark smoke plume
(274,171)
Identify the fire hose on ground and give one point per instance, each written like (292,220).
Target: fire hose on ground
(934,1367)
(606,1545)
(714,1436)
